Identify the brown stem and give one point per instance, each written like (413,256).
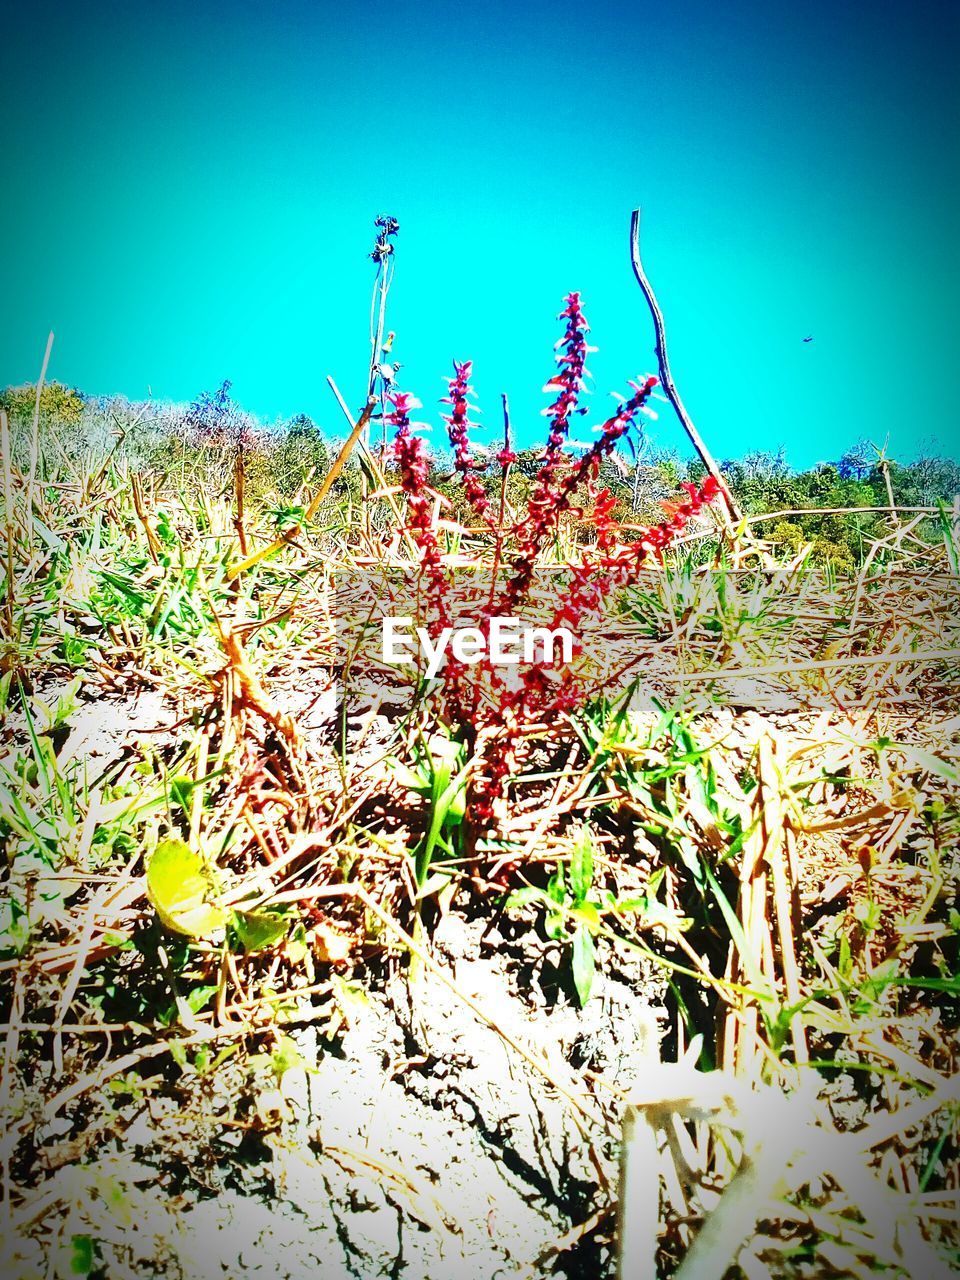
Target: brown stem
(239,478)
(153,542)
(885,468)
(732,513)
(504,472)
(35,433)
(9,519)
(291,531)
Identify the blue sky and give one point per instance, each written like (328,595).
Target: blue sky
(191,190)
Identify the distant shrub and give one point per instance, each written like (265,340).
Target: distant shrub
(195,446)
(836,554)
(216,418)
(788,535)
(58,403)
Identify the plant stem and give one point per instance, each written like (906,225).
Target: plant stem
(732,513)
(8,515)
(35,433)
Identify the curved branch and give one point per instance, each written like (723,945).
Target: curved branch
(733,512)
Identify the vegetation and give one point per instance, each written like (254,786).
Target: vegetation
(748,779)
(847,500)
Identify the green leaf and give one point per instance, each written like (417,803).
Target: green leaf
(5,682)
(350,996)
(50,538)
(521,897)
(626,905)
(81,1255)
(882,977)
(257,930)
(14,928)
(286,1057)
(845,961)
(178,1053)
(453,802)
(761,987)
(437,881)
(181,885)
(226,1052)
(584,965)
(588,913)
(690,857)
(653,883)
(181,790)
(556,886)
(581,865)
(949,534)
(555,925)
(200,997)
(408,779)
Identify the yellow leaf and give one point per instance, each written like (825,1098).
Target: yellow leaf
(181,887)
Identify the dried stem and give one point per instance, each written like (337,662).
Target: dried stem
(35,431)
(8,517)
(239,482)
(733,512)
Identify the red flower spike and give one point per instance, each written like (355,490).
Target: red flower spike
(458,429)
(477,698)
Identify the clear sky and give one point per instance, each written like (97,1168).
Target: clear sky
(190,189)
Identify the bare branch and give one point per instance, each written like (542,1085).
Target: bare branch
(733,513)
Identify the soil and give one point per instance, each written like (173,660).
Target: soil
(419,1142)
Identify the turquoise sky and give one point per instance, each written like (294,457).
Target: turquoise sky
(190,191)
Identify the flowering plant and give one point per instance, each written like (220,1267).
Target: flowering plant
(486,711)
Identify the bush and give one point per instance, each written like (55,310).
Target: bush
(58,404)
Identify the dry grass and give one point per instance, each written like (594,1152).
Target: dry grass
(769,767)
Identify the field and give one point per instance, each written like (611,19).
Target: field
(312,966)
